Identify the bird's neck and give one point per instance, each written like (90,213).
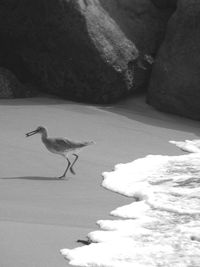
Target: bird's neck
(44,136)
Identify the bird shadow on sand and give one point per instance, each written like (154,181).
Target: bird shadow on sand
(35,178)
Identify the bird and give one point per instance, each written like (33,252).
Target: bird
(61,146)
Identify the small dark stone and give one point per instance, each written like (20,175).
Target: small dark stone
(84,242)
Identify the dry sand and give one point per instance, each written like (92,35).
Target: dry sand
(39,214)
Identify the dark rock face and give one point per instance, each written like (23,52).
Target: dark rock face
(175,81)
(140,20)
(165,3)
(88,50)
(143,24)
(73,48)
(10,87)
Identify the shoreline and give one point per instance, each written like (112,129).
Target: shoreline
(44,215)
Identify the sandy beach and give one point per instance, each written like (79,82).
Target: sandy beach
(39,214)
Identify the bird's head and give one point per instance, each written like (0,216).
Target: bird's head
(39,129)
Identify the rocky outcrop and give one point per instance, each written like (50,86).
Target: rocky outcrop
(10,87)
(175,80)
(72,48)
(165,3)
(142,23)
(88,50)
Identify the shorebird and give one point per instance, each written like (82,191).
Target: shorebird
(61,146)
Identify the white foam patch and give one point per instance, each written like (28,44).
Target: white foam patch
(191,146)
(133,210)
(161,227)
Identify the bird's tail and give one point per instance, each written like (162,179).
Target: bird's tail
(89,143)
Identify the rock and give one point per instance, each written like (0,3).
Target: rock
(73,48)
(10,87)
(141,22)
(174,85)
(175,80)
(165,3)
(88,50)
(144,25)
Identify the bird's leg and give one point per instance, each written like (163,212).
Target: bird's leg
(69,163)
(71,167)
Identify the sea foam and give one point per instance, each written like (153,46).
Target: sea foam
(161,227)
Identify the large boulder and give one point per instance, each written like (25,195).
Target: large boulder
(165,3)
(9,84)
(175,80)
(89,50)
(11,87)
(140,20)
(145,25)
(73,48)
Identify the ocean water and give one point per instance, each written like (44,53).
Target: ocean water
(161,227)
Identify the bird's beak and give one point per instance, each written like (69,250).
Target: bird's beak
(31,133)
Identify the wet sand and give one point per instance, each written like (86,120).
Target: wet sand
(39,214)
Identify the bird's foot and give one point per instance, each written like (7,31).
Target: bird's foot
(72,171)
(61,177)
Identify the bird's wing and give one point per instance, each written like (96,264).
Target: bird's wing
(63,144)
(75,144)
(58,145)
